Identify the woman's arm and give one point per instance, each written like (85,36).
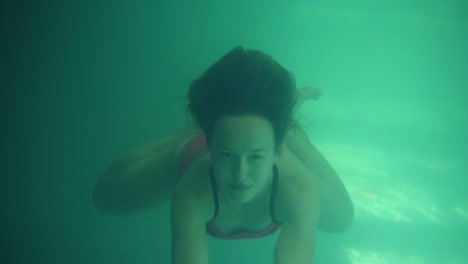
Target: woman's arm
(337,210)
(189,244)
(301,207)
(143,178)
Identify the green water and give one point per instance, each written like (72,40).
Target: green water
(85,81)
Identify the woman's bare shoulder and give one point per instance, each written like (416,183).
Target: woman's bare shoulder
(292,177)
(196,184)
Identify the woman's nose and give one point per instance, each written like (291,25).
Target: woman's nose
(241,171)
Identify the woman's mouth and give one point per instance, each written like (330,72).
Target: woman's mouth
(240,188)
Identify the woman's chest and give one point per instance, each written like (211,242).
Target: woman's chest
(252,220)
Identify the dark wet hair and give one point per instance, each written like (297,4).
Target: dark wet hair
(244,82)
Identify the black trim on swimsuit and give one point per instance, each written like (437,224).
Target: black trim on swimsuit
(215,193)
(273,195)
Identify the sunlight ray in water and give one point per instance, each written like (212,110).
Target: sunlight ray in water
(372,257)
(356,256)
(379,193)
(462,211)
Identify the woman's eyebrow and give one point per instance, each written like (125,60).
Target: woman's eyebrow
(258,150)
(254,150)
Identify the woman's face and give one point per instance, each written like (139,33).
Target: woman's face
(242,156)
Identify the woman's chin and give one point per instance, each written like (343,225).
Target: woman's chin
(242,196)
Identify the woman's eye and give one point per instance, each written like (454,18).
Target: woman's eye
(226,155)
(257,157)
